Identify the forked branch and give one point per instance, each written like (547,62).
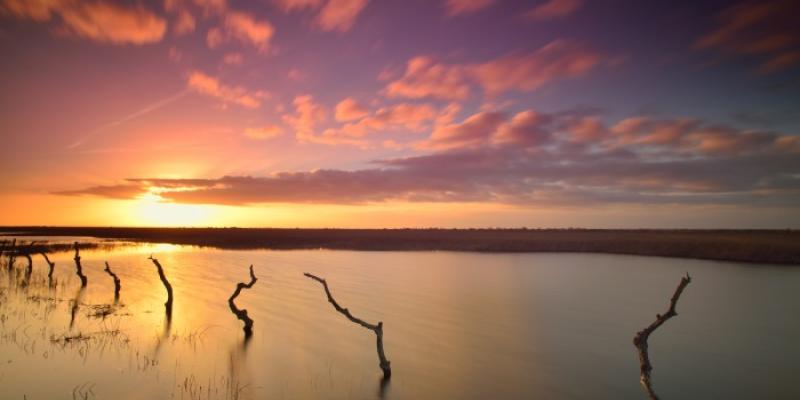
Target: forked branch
(640,340)
(117,282)
(242,314)
(168,304)
(378,329)
(78,267)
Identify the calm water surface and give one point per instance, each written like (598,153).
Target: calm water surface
(456,325)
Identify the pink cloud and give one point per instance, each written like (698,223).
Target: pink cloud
(211,86)
(525,128)
(339,15)
(184,23)
(554,9)
(399,117)
(101,22)
(526,72)
(307,116)
(296,75)
(425,78)
(233,59)
(245,28)
(263,132)
(764,29)
(291,5)
(349,109)
(39,10)
(456,7)
(474,131)
(214,38)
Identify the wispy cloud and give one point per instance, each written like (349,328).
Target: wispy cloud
(458,7)
(339,15)
(560,59)
(766,30)
(554,9)
(211,86)
(99,21)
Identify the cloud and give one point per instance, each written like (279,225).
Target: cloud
(766,30)
(426,78)
(211,86)
(554,9)
(244,28)
(233,59)
(263,132)
(349,109)
(37,10)
(99,21)
(474,131)
(330,15)
(184,23)
(307,116)
(339,15)
(296,75)
(525,72)
(457,7)
(292,5)
(109,23)
(529,158)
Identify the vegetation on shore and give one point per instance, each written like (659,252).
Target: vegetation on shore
(756,246)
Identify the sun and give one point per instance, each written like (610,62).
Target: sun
(153,210)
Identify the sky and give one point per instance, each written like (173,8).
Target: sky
(412,113)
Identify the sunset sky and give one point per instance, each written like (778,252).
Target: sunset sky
(408,113)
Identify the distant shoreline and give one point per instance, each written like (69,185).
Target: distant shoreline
(751,246)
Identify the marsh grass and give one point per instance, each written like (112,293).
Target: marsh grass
(51,320)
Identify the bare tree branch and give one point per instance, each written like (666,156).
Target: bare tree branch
(29,268)
(378,329)
(168,304)
(117,283)
(640,340)
(78,267)
(51,264)
(12,255)
(242,314)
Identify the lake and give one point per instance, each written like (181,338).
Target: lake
(456,325)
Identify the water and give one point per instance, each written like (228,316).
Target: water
(456,325)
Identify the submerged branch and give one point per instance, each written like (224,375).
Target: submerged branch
(117,284)
(12,254)
(242,314)
(29,268)
(168,304)
(50,263)
(78,267)
(640,340)
(378,329)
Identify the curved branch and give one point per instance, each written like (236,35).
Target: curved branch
(168,304)
(78,267)
(378,329)
(241,313)
(640,340)
(117,282)
(50,263)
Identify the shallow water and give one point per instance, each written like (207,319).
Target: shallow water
(456,325)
